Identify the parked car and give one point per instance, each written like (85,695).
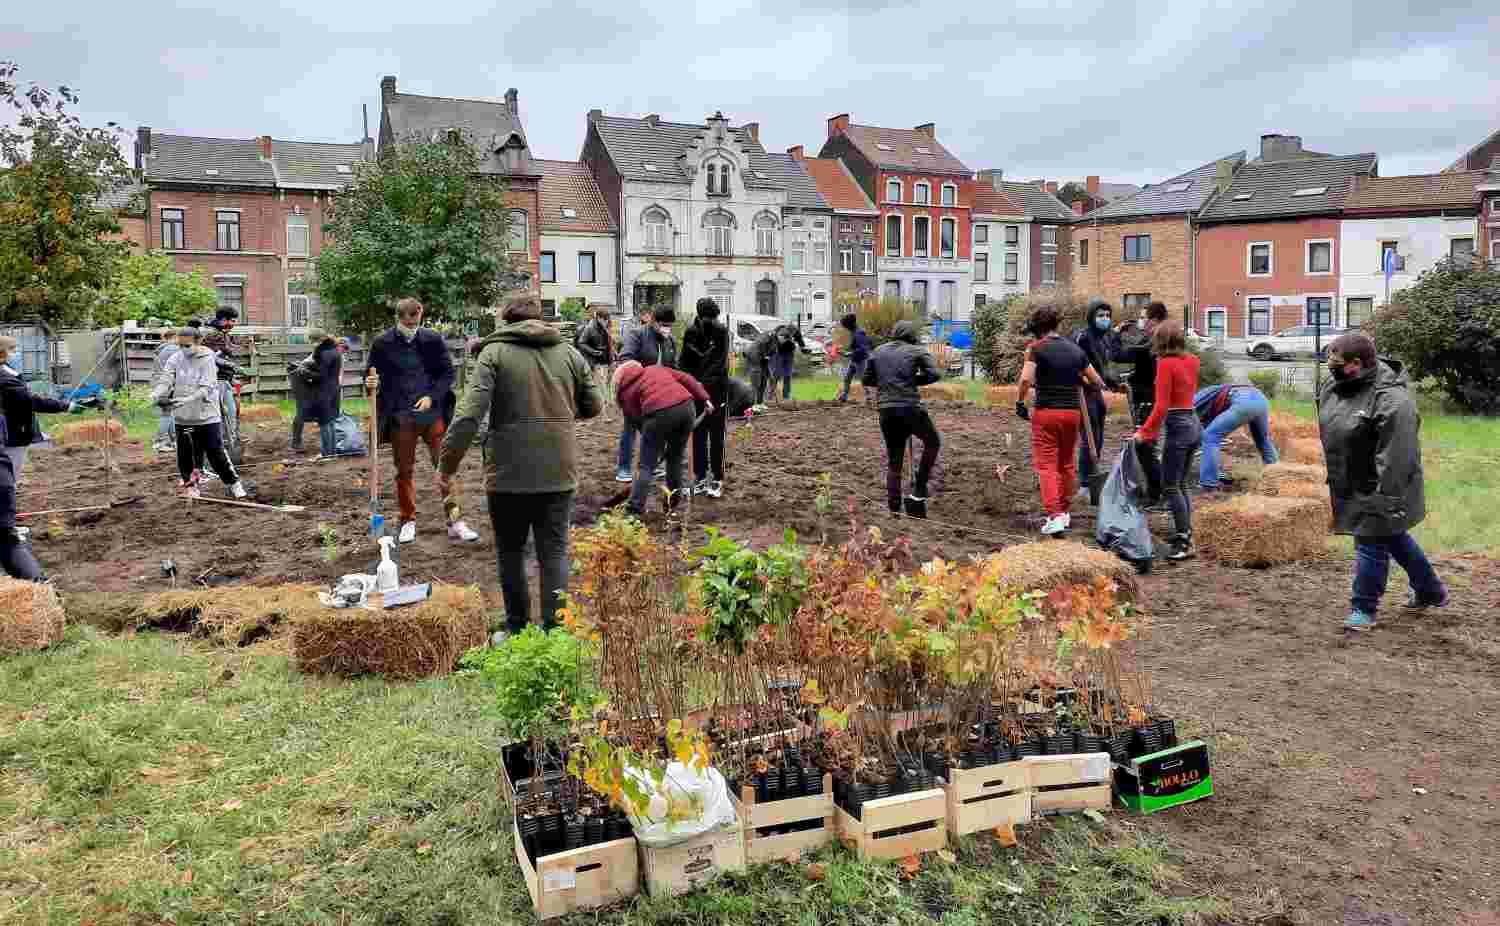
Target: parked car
(747,328)
(1300,340)
(1200,343)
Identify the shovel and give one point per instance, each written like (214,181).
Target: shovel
(377,520)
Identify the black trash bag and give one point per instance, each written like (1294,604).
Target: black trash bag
(1121,520)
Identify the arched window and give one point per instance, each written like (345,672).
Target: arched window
(657,227)
(921,192)
(720,229)
(711,169)
(765,234)
(893,190)
(516,238)
(724,179)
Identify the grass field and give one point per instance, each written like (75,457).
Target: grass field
(150,778)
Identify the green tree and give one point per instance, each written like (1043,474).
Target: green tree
(58,252)
(421,222)
(1447,326)
(146,286)
(990,327)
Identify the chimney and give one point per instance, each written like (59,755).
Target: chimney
(991,178)
(1091,183)
(1223,175)
(1078,207)
(929,129)
(1275,147)
(142,146)
(838,125)
(595,115)
(796,152)
(387,87)
(512,102)
(652,119)
(753,130)
(265,147)
(1051,187)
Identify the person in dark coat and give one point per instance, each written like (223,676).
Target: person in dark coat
(16,558)
(662,401)
(859,352)
(323,391)
(649,344)
(1134,347)
(414,372)
(1369,425)
(898,369)
(704,357)
(1099,342)
(20,406)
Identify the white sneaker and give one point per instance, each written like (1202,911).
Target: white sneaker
(408,532)
(1057,524)
(700,487)
(238,490)
(715,489)
(461,532)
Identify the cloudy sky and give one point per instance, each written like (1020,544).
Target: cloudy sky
(1039,88)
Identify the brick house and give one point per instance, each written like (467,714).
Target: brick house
(1482,156)
(128,203)
(1489,218)
(496,132)
(1139,248)
(578,238)
(855,219)
(925,196)
(1048,238)
(807,241)
(248,212)
(1268,247)
(1001,236)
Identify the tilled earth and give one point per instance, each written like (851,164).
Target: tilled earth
(1358,783)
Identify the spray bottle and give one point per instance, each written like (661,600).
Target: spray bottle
(386,576)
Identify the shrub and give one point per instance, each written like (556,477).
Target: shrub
(1447,326)
(1211,368)
(1267,381)
(990,322)
(879,318)
(1009,350)
(572,309)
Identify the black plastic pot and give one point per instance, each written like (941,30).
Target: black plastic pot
(854,800)
(880,789)
(791,781)
(530,827)
(573,834)
(1166,729)
(1059,744)
(617,826)
(1147,740)
(812,780)
(1119,745)
(551,840)
(593,831)
(1004,752)
(1088,742)
(1031,747)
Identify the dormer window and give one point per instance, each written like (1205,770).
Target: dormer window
(569,213)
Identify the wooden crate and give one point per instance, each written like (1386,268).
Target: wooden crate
(579,879)
(1062,784)
(683,867)
(755,816)
(874,836)
(986,797)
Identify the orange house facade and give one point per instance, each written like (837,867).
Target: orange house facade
(1258,278)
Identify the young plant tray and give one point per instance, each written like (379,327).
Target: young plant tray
(683,867)
(579,879)
(772,814)
(1177,775)
(898,826)
(1069,783)
(986,797)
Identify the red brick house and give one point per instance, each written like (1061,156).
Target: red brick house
(1267,248)
(925,196)
(856,220)
(248,212)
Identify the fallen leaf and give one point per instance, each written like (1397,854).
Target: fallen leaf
(909,866)
(1094,815)
(817,872)
(423,848)
(235,804)
(947,856)
(1006,833)
(187,876)
(248,843)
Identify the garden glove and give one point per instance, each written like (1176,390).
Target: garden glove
(1022,412)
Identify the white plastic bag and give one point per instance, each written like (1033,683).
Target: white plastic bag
(704,793)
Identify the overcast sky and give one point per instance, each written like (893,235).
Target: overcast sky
(1040,88)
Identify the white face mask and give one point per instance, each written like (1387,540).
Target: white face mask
(407,332)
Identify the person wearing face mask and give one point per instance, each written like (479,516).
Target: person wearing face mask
(649,344)
(1134,348)
(1099,342)
(411,367)
(189,387)
(20,406)
(705,348)
(1222,409)
(1369,426)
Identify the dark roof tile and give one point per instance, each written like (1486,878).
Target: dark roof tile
(1037,202)
(1267,189)
(801,188)
(486,124)
(634,143)
(1182,193)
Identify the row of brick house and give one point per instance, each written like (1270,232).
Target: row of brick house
(656,211)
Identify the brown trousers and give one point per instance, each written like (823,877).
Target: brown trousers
(404,439)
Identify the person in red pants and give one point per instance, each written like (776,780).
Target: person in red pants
(1057,369)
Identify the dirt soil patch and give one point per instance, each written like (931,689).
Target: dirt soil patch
(1357,783)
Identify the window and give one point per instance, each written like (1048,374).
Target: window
(947,237)
(981,234)
(725,301)
(979,300)
(893,289)
(820,257)
(297,243)
(1135,303)
(820,223)
(586,267)
(796,221)
(569,213)
(1180,187)
(950,194)
(1259,311)
(1495,248)
(921,193)
(867,261)
(228,224)
(921,235)
(173,230)
(231,295)
(302,307)
(869,228)
(1218,323)
(517,238)
(846,260)
(1311,191)
(1358,310)
(549,308)
(1320,311)
(1049,268)
(946,290)
(1012,267)
(549,267)
(720,233)
(765,235)
(1495,205)
(1137,248)
(919,294)
(1083,252)
(1012,236)
(799,306)
(1320,257)
(893,191)
(1461,249)
(981,268)
(1260,261)
(798,256)
(893,236)
(1049,236)
(655,222)
(1386,247)
(846,227)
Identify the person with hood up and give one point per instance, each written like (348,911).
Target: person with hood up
(898,369)
(1222,409)
(1134,348)
(705,358)
(327,366)
(661,401)
(1369,425)
(189,386)
(20,406)
(596,344)
(649,344)
(532,386)
(859,352)
(1099,342)
(774,356)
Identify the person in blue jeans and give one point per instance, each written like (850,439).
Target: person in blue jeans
(1222,409)
(1369,425)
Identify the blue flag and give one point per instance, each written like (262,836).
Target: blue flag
(1390,263)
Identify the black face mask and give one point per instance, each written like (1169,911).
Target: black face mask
(1340,374)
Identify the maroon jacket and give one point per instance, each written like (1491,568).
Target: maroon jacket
(651,389)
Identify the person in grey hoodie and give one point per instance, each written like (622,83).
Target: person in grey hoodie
(189,387)
(898,369)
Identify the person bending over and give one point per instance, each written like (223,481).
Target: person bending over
(1222,409)
(661,401)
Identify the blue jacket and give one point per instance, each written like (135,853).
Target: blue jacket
(859,346)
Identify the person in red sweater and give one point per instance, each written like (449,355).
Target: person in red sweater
(1176,382)
(660,400)
(1057,368)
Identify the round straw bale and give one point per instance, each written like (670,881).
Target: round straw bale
(1260,531)
(1277,473)
(260,412)
(407,642)
(1049,564)
(1002,396)
(89,432)
(946,392)
(1303,450)
(31,616)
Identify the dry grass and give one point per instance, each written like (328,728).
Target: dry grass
(1294,489)
(228,616)
(90,432)
(1306,450)
(1049,564)
(408,642)
(261,412)
(946,392)
(1287,428)
(1002,396)
(1277,473)
(1260,531)
(31,616)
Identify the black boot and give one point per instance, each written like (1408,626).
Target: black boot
(893,490)
(1181,547)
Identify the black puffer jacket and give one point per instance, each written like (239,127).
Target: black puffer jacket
(899,368)
(20,406)
(703,357)
(1369,426)
(594,343)
(1133,346)
(1099,345)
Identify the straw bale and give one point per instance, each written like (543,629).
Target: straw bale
(1294,489)
(92,431)
(1287,428)
(1115,401)
(1259,530)
(1049,564)
(260,412)
(231,616)
(1002,396)
(1302,450)
(947,392)
(408,642)
(31,616)
(1277,473)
